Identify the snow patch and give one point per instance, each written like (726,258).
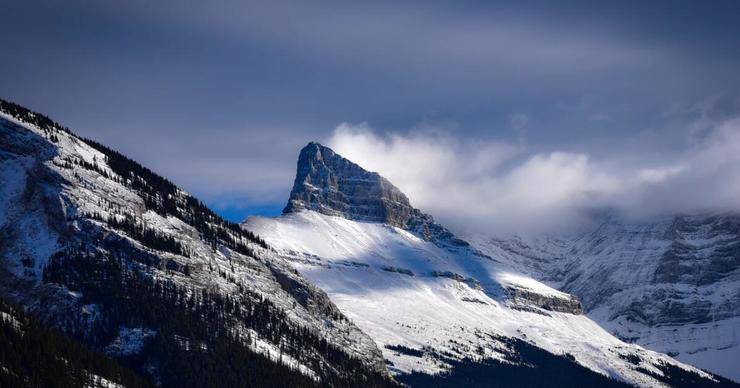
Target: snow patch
(130,341)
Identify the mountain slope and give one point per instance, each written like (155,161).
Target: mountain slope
(125,262)
(31,355)
(432,302)
(671,284)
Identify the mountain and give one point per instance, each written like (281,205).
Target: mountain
(111,275)
(330,184)
(670,283)
(104,251)
(443,312)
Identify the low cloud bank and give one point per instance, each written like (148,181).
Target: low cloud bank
(499,187)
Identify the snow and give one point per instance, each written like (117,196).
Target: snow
(343,257)
(613,268)
(346,259)
(77,190)
(13,181)
(269,349)
(36,242)
(101,382)
(527,283)
(724,361)
(130,341)
(713,346)
(11,320)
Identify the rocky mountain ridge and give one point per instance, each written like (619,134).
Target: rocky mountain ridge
(330,184)
(123,261)
(670,283)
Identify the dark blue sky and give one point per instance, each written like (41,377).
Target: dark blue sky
(220,97)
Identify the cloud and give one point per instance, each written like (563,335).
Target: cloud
(221,97)
(705,178)
(498,187)
(658,175)
(425,164)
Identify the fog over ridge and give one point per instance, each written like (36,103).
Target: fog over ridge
(503,187)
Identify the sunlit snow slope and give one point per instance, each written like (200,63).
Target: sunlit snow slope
(402,290)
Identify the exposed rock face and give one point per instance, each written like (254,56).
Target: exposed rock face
(670,284)
(330,184)
(684,264)
(519,296)
(703,251)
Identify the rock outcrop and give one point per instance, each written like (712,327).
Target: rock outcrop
(330,184)
(669,283)
(523,297)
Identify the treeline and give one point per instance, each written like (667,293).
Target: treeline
(219,355)
(165,198)
(34,118)
(675,376)
(150,238)
(528,366)
(159,194)
(197,343)
(33,355)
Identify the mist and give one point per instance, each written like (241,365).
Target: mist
(500,187)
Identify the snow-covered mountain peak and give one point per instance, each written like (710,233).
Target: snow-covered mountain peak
(129,264)
(330,184)
(431,301)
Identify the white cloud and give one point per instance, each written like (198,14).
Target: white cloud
(499,187)
(423,163)
(706,178)
(657,175)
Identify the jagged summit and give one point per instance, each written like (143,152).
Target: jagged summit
(330,184)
